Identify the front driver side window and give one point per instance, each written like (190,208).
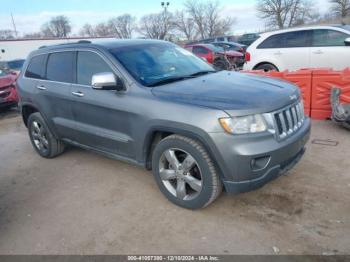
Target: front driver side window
(327,37)
(88,64)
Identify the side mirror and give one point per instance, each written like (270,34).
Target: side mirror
(347,41)
(107,81)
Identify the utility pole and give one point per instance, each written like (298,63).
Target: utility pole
(14,26)
(165,6)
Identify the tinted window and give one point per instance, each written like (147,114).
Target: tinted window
(326,37)
(88,64)
(36,67)
(220,39)
(60,67)
(286,40)
(200,50)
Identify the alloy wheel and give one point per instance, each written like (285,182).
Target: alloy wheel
(180,174)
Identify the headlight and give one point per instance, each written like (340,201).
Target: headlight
(243,124)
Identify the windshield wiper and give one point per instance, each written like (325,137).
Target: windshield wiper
(169,80)
(204,72)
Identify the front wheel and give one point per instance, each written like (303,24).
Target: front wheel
(185,173)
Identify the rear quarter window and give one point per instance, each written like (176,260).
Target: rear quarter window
(287,40)
(36,67)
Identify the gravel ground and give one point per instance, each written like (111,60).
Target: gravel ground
(84,203)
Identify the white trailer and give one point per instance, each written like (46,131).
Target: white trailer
(20,48)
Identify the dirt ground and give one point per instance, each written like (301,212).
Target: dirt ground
(84,203)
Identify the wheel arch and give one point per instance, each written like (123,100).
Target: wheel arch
(156,134)
(262,63)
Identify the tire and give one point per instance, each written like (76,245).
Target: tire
(266,67)
(43,141)
(194,183)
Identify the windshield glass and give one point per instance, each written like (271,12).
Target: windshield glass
(151,63)
(2,73)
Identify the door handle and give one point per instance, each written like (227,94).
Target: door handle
(318,52)
(41,87)
(278,53)
(78,93)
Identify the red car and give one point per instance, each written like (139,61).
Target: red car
(8,92)
(216,55)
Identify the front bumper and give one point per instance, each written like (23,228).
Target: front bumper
(8,96)
(248,162)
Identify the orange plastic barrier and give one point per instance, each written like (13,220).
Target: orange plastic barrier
(302,78)
(322,82)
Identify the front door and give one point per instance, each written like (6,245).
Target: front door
(328,49)
(101,116)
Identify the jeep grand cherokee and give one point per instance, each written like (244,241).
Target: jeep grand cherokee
(157,105)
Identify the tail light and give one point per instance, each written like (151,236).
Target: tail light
(247,57)
(210,57)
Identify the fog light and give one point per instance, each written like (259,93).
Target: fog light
(259,163)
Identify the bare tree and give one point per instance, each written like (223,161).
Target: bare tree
(184,24)
(341,8)
(33,35)
(122,26)
(7,34)
(156,26)
(58,26)
(87,30)
(208,18)
(102,29)
(285,13)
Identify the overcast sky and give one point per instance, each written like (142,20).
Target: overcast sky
(29,15)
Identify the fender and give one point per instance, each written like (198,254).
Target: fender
(49,123)
(185,130)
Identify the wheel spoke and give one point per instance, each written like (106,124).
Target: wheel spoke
(188,163)
(193,182)
(181,189)
(171,157)
(35,135)
(167,174)
(36,127)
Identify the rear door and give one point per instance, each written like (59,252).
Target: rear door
(52,86)
(288,51)
(203,52)
(101,116)
(329,49)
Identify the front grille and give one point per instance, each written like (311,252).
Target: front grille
(288,120)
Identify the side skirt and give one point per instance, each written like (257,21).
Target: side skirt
(104,153)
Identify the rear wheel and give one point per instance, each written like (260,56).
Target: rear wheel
(43,141)
(266,67)
(185,173)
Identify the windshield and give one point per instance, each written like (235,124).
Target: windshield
(152,63)
(2,73)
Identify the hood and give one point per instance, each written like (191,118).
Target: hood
(235,93)
(232,53)
(7,80)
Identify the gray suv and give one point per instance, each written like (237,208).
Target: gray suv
(159,106)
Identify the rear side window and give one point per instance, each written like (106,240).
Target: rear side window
(200,50)
(287,40)
(88,64)
(60,67)
(36,67)
(327,37)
